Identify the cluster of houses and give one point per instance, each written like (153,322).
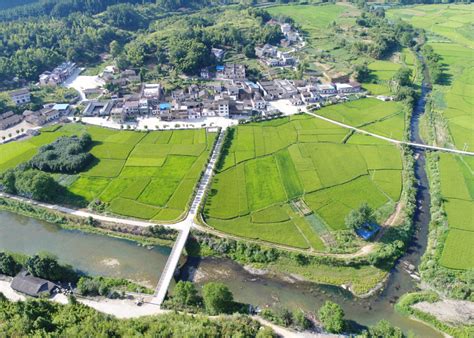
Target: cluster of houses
(224,99)
(49,113)
(229,71)
(301,92)
(58,75)
(272,56)
(231,97)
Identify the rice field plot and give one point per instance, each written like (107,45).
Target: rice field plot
(145,175)
(385,118)
(457,189)
(253,198)
(458,250)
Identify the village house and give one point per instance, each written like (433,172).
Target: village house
(233,71)
(62,108)
(326,89)
(9,119)
(258,102)
(20,96)
(32,286)
(347,88)
(98,108)
(58,75)
(152,92)
(34,118)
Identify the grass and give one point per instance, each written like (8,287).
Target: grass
(144,175)
(252,197)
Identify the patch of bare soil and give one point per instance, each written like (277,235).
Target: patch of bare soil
(449,311)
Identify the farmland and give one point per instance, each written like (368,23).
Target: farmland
(276,170)
(449,30)
(449,33)
(457,189)
(144,175)
(383,118)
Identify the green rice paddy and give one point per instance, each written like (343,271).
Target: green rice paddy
(379,117)
(271,165)
(457,188)
(144,175)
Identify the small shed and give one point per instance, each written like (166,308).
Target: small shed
(32,286)
(368,230)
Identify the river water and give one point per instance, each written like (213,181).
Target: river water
(264,290)
(91,253)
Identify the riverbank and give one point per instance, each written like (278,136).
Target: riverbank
(86,223)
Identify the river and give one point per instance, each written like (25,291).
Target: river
(263,290)
(92,254)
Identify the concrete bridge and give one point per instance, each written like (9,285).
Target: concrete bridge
(185,226)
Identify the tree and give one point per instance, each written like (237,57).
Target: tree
(331,316)
(217,298)
(402,77)
(115,48)
(357,218)
(8,180)
(8,265)
(46,266)
(384,329)
(362,72)
(185,293)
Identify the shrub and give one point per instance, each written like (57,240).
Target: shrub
(331,316)
(65,155)
(217,298)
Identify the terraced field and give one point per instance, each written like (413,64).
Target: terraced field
(287,181)
(143,175)
(383,118)
(457,188)
(451,34)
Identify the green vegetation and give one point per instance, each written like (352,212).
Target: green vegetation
(41,317)
(273,174)
(109,287)
(146,175)
(458,193)
(66,155)
(331,316)
(449,56)
(383,118)
(447,263)
(43,265)
(217,298)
